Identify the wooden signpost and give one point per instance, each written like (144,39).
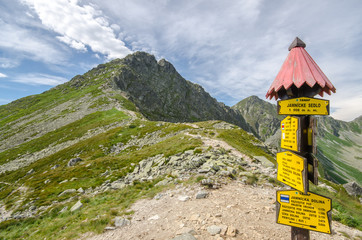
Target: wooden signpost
(297,165)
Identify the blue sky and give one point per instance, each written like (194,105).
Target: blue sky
(234,49)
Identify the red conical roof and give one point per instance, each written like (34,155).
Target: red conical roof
(299,68)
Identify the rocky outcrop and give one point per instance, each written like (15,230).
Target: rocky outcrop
(161,93)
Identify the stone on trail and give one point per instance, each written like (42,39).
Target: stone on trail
(109,228)
(121,222)
(76,206)
(183,198)
(201,194)
(156,217)
(185,236)
(213,230)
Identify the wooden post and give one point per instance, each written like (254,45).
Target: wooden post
(300,234)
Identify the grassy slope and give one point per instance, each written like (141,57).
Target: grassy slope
(101,209)
(331,152)
(88,174)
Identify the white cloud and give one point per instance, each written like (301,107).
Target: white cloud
(27,45)
(2,75)
(79,26)
(236,48)
(8,63)
(39,79)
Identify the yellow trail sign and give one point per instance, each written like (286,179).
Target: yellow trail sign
(292,170)
(303,106)
(290,127)
(310,211)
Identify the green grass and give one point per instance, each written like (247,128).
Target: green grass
(53,97)
(329,166)
(92,153)
(243,142)
(69,132)
(97,212)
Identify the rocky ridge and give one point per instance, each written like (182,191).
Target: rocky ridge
(162,94)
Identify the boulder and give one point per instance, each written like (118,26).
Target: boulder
(76,206)
(72,162)
(67,191)
(353,189)
(121,222)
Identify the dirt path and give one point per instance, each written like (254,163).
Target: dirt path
(251,210)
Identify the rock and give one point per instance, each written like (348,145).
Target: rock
(163,182)
(201,194)
(46,181)
(80,190)
(353,189)
(64,181)
(121,222)
(117,185)
(67,191)
(55,166)
(189,152)
(213,230)
(183,198)
(31,171)
(231,231)
(159,196)
(72,162)
(109,228)
(207,182)
(64,209)
(195,217)
(204,170)
(105,173)
(156,217)
(185,236)
(76,206)
(225,173)
(264,161)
